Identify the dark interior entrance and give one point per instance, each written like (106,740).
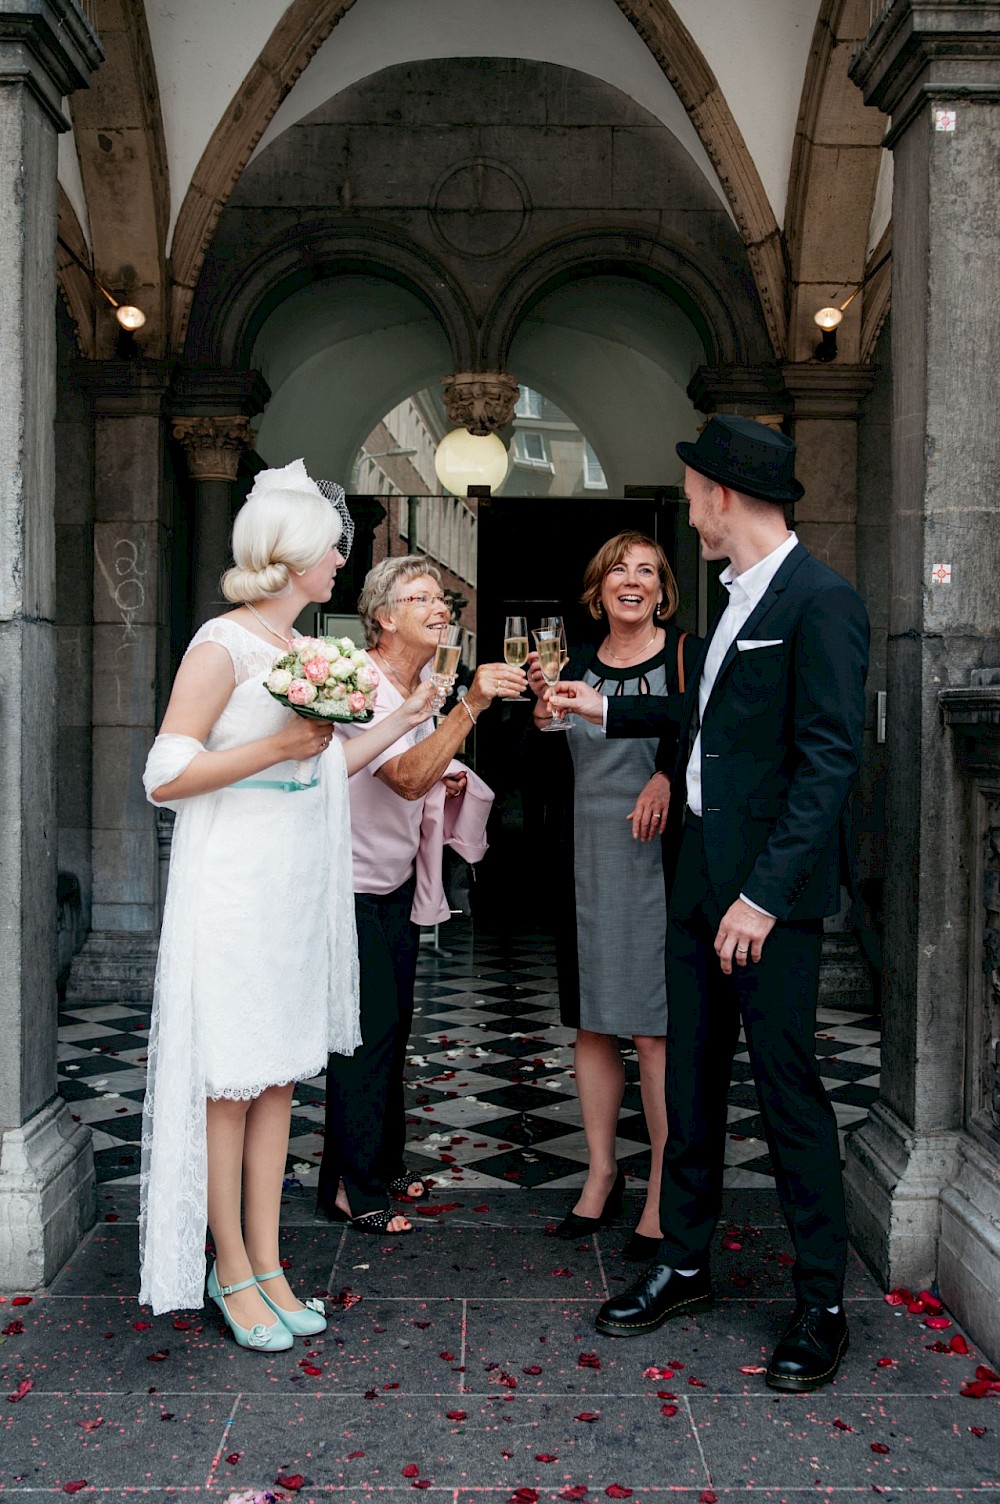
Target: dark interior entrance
(531,560)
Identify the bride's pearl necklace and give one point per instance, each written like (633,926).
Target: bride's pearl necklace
(288,641)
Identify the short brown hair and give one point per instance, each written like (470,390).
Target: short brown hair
(613,552)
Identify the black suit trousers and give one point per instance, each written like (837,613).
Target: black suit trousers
(776,1001)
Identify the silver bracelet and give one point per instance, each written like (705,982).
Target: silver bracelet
(464,701)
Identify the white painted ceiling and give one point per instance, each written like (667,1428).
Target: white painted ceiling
(203,49)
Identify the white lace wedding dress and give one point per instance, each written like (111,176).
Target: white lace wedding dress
(257,974)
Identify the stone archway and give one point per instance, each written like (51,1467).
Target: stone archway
(306,25)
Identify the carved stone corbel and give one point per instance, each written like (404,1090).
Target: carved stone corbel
(481,401)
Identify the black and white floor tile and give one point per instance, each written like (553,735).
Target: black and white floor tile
(490,1085)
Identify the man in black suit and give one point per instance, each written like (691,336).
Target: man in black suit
(770,745)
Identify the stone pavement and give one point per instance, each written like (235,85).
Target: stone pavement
(461,1361)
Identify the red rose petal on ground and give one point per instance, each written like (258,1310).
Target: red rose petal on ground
(982,1372)
(562,1274)
(480,1208)
(545,1457)
(575,1491)
(978,1430)
(421,1483)
(411,1470)
(675,1365)
(886,1363)
(588,1360)
(311,1370)
(13,1329)
(937,1323)
(91,1425)
(25,1387)
(160,1356)
(657,1373)
(973,1390)
(75,1487)
(916,1308)
(141,1326)
(668,1410)
(958,1344)
(880,1447)
(707,1497)
(180,1325)
(457,1414)
(353,1456)
(842,1425)
(588,1415)
(618,1491)
(665,1394)
(113,1216)
(524,1496)
(234,1458)
(448,1357)
(532,1368)
(786,1260)
(22,1300)
(753,1368)
(698,1383)
(731,1245)
(292,1481)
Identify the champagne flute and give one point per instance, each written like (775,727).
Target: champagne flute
(515,647)
(548,645)
(444,669)
(558,624)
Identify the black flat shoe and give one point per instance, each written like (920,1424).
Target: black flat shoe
(641,1250)
(575,1226)
(654,1299)
(809,1351)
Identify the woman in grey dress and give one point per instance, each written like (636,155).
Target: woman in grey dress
(612,921)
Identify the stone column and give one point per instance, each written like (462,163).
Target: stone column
(131,649)
(935,68)
(213,448)
(46,1166)
(826,401)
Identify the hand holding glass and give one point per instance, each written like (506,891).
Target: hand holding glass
(444,668)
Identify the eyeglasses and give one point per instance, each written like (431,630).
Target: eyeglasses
(421,600)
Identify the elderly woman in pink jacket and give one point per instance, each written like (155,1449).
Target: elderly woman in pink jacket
(404,805)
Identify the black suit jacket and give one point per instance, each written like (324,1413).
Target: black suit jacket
(780,745)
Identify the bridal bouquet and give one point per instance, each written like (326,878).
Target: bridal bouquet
(325,677)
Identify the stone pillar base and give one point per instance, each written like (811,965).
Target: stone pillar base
(969,1252)
(893,1179)
(47,1195)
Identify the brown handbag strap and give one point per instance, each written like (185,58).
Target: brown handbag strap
(680,660)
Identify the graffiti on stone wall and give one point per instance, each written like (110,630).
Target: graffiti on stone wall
(124,581)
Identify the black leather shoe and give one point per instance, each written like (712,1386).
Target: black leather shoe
(575,1226)
(652,1300)
(809,1351)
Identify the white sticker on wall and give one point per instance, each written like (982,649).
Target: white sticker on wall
(941,574)
(945,120)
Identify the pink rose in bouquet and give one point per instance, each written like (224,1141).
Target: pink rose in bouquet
(301,692)
(357,702)
(318,670)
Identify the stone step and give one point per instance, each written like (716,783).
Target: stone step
(113,966)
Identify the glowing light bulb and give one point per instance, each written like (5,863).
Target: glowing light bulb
(129,317)
(828,318)
(466,459)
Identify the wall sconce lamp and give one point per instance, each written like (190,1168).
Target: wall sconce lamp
(827,320)
(129,317)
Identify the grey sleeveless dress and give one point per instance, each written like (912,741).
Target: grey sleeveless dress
(620,903)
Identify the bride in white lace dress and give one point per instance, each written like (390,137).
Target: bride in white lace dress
(257,971)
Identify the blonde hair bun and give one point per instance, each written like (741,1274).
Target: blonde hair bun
(285,523)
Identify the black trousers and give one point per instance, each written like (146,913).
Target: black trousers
(365,1115)
(776,1000)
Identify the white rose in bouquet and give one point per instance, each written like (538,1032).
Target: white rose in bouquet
(278,681)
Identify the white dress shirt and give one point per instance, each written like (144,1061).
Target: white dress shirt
(745,593)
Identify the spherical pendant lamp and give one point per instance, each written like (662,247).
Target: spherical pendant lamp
(466,459)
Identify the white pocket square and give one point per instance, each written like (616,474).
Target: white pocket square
(747,644)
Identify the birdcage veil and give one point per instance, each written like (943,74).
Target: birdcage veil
(335,495)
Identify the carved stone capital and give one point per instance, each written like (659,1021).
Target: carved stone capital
(213,447)
(481,401)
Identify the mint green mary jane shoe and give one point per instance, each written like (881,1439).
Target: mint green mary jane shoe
(258,1338)
(308,1322)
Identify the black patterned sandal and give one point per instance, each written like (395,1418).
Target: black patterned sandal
(401,1187)
(377,1222)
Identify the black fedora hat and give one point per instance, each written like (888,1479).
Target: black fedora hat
(746,456)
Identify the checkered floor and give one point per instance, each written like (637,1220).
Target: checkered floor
(490,1078)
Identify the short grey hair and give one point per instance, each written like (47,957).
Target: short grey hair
(382,586)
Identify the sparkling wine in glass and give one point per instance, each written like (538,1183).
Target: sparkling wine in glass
(444,668)
(558,624)
(515,646)
(548,645)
